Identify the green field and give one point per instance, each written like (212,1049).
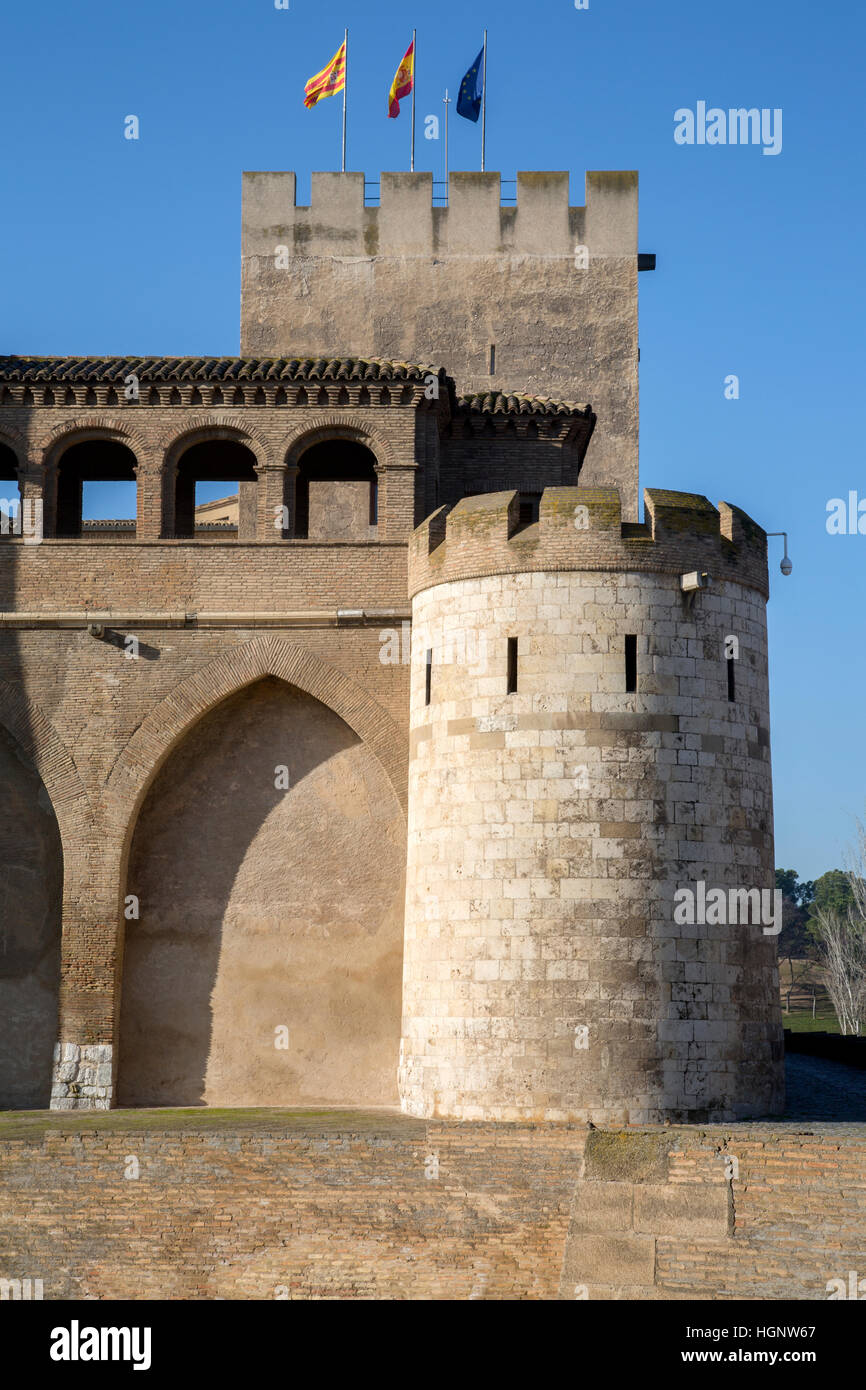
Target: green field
(801,1021)
(28,1124)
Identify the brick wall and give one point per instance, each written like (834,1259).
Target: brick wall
(375,1205)
(753,1211)
(423,446)
(96,727)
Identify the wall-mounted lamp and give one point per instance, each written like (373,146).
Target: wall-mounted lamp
(786,565)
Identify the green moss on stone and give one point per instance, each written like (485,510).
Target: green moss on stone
(620,1156)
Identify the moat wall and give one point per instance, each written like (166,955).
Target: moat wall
(378,1205)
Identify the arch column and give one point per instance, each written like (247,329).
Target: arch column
(31,486)
(396,500)
(85,1055)
(48,472)
(271,494)
(168,493)
(248,508)
(31,480)
(290,496)
(150,500)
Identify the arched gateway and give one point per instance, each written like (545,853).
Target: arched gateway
(264,967)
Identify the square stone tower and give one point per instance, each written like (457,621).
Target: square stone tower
(539,298)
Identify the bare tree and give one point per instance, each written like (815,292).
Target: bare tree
(842,936)
(843,947)
(798,977)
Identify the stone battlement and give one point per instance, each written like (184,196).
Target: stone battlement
(337,222)
(582,529)
(539,297)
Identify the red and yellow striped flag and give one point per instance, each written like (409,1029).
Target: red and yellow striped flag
(404,79)
(330,80)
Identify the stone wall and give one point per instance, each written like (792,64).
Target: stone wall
(376,1205)
(410,282)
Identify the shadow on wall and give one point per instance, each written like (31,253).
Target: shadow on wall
(265,966)
(31,867)
(31,886)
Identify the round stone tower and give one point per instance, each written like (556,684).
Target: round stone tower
(590,908)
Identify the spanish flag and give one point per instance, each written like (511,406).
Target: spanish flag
(330,80)
(404,81)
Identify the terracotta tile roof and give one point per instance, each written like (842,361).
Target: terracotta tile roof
(126,524)
(115,369)
(212,369)
(513,403)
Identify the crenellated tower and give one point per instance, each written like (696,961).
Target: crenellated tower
(538,296)
(580,753)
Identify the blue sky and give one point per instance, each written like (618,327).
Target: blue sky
(117,246)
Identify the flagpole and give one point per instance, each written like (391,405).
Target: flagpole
(484,107)
(414,82)
(345,91)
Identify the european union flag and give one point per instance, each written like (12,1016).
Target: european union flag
(472,91)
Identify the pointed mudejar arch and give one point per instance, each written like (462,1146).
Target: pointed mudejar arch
(33,1011)
(237,668)
(254,898)
(38,739)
